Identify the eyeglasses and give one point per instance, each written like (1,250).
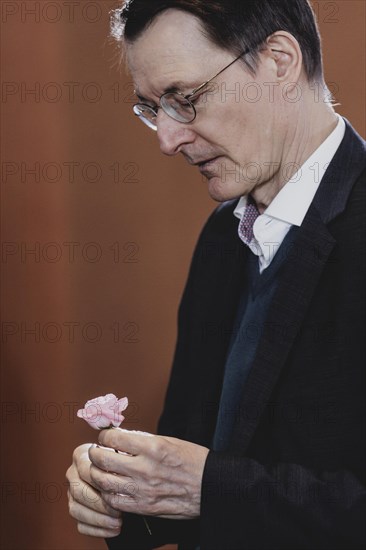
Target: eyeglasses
(178,106)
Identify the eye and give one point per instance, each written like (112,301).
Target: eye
(201,94)
(152,105)
(175,101)
(179,101)
(144,101)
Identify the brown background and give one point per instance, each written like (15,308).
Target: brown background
(94,262)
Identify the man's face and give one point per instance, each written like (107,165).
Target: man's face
(236,137)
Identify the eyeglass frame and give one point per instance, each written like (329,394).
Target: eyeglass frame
(186,97)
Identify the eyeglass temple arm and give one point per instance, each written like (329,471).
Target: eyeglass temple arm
(199,88)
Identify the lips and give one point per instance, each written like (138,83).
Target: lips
(206,166)
(206,161)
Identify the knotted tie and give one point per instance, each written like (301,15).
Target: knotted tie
(246,223)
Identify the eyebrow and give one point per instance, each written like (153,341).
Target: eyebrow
(174,87)
(141,97)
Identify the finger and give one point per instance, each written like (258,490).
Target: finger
(126,503)
(92,518)
(131,442)
(164,508)
(87,496)
(80,468)
(113,483)
(83,469)
(85,529)
(121,464)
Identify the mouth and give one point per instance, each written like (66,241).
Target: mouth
(206,166)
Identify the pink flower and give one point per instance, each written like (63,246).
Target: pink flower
(104,412)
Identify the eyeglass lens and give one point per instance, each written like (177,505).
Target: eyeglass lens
(178,107)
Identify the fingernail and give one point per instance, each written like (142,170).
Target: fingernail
(115,524)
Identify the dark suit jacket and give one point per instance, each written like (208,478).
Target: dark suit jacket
(293,476)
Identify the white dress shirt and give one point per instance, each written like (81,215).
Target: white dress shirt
(290,205)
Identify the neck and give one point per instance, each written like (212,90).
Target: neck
(300,141)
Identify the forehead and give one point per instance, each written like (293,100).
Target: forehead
(172,48)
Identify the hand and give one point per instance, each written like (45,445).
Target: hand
(161,477)
(93,515)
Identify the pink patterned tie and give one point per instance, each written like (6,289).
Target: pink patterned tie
(247,221)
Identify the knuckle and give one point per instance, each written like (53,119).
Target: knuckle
(83,471)
(94,476)
(129,488)
(81,453)
(75,454)
(101,521)
(81,528)
(108,437)
(102,481)
(151,494)
(90,499)
(102,461)
(115,486)
(105,462)
(114,501)
(70,473)
(154,508)
(156,446)
(72,510)
(153,483)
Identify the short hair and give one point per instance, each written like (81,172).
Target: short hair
(234,25)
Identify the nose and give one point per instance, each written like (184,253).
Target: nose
(172,135)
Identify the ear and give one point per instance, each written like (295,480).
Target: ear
(284,50)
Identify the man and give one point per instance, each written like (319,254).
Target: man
(261,443)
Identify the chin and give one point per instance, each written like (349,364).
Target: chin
(221,191)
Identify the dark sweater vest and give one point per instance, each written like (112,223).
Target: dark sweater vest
(248,326)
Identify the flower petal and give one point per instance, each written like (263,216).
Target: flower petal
(104,411)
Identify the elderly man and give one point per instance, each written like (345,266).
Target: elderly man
(268,453)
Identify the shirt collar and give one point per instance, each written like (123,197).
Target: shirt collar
(293,201)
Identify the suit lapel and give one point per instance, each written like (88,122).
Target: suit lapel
(298,280)
(297,283)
